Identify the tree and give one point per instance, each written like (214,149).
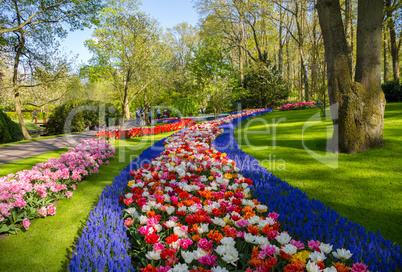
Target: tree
(393,8)
(357,107)
(180,41)
(49,80)
(212,72)
(265,86)
(25,24)
(127,51)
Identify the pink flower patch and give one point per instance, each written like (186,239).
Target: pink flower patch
(69,194)
(51,210)
(26,223)
(42,211)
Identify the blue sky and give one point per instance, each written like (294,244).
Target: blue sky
(168,12)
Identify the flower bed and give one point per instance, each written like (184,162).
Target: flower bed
(138,132)
(104,243)
(30,193)
(298,106)
(190,210)
(308,218)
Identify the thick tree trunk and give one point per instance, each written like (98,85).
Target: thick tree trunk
(357,108)
(15,86)
(348,32)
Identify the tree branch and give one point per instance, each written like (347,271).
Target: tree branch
(28,20)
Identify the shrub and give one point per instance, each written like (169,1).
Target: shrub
(82,113)
(264,87)
(13,115)
(392,91)
(187,106)
(9,130)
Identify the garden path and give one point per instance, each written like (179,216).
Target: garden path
(21,151)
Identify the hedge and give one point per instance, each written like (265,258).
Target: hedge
(9,130)
(392,91)
(25,114)
(83,113)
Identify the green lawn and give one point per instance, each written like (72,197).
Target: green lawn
(30,125)
(48,244)
(365,187)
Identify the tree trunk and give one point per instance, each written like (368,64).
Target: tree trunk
(288,62)
(394,46)
(314,56)
(125,109)
(21,45)
(300,41)
(280,54)
(241,67)
(348,32)
(384,47)
(357,108)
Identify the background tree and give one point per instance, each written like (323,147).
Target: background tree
(393,19)
(212,73)
(357,107)
(25,24)
(127,51)
(49,80)
(265,86)
(178,83)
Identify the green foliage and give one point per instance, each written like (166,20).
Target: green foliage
(13,115)
(265,86)
(187,106)
(9,130)
(7,108)
(127,52)
(392,91)
(78,114)
(213,73)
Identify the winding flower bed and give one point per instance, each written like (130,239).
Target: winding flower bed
(298,106)
(30,193)
(140,131)
(191,209)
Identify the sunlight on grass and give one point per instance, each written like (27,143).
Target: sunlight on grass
(365,187)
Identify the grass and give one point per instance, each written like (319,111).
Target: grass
(31,125)
(48,244)
(365,188)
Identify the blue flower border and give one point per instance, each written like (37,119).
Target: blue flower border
(104,244)
(305,218)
